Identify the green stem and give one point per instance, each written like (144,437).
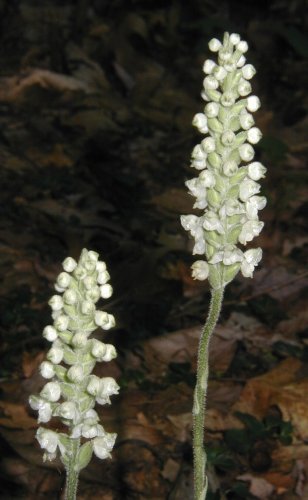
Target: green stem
(200,395)
(71,473)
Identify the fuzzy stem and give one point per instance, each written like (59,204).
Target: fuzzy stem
(71,473)
(200,395)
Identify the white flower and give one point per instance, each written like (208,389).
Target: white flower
(76,373)
(103,445)
(208,66)
(87,307)
(103,277)
(248,188)
(69,264)
(230,168)
(253,103)
(242,46)
(93,256)
(108,387)
(198,153)
(246,152)
(70,297)
(106,291)
(47,370)
(227,138)
(248,71)
(214,45)
(230,255)
(256,170)
(234,38)
(200,270)
(198,164)
(227,99)
(196,187)
(50,333)
(254,204)
(249,230)
(101,266)
(47,439)
(244,88)
(241,62)
(251,259)
(56,302)
(51,391)
(100,318)
(200,121)
(190,223)
(210,83)
(64,280)
(246,120)
(61,323)
(98,349)
(211,110)
(67,410)
(94,385)
(208,144)
(110,323)
(110,353)
(42,406)
(55,354)
(254,135)
(90,431)
(79,340)
(207,178)
(211,222)
(199,247)
(93,294)
(219,72)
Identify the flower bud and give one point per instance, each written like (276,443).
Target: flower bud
(214,45)
(208,144)
(47,370)
(64,280)
(69,264)
(101,266)
(47,439)
(246,152)
(244,88)
(248,71)
(51,391)
(106,291)
(75,373)
(200,121)
(234,38)
(208,66)
(242,46)
(55,355)
(211,109)
(254,135)
(246,120)
(227,138)
(87,307)
(70,297)
(56,302)
(103,277)
(79,340)
(50,333)
(61,323)
(248,188)
(253,103)
(256,170)
(210,83)
(230,168)
(110,323)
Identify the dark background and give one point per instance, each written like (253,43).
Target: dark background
(96,103)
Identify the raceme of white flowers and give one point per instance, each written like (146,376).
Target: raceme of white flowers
(225,189)
(72,391)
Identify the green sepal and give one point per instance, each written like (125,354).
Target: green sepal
(220,184)
(215,276)
(84,456)
(220,148)
(215,125)
(239,176)
(234,219)
(229,272)
(240,138)
(68,390)
(86,402)
(65,336)
(214,95)
(234,155)
(223,114)
(60,371)
(209,251)
(233,235)
(234,124)
(213,197)
(233,192)
(69,356)
(213,238)
(238,107)
(214,159)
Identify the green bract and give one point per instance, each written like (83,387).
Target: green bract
(72,390)
(226,189)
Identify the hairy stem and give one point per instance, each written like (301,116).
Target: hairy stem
(200,395)
(71,473)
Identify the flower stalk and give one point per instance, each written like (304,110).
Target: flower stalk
(72,390)
(227,194)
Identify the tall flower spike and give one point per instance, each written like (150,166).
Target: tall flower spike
(227,191)
(226,186)
(69,393)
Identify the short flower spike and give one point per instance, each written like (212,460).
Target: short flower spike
(72,391)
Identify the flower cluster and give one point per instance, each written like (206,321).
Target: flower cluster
(72,390)
(225,190)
